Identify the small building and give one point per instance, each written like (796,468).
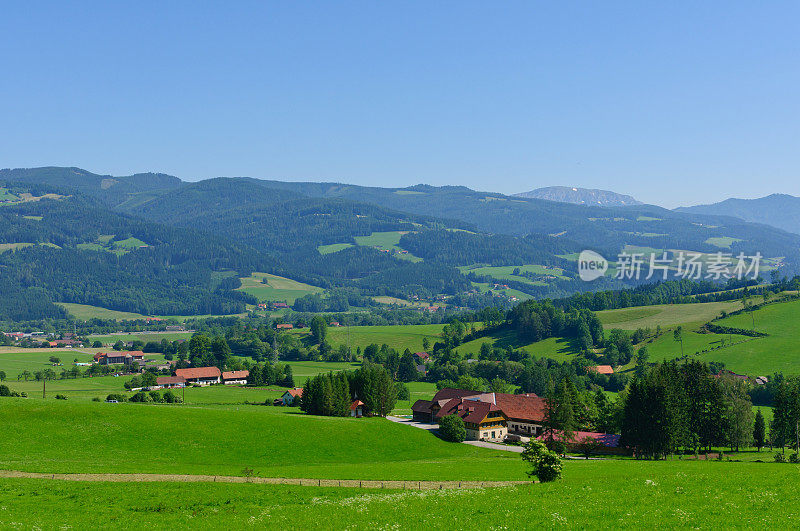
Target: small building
(601,369)
(335,323)
(422,356)
(605,443)
(169,382)
(284,326)
(280,305)
(235,377)
(200,375)
(291,396)
(357,409)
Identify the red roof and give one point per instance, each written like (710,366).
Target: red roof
(136,353)
(422,355)
(285,326)
(522,407)
(355,404)
(472,411)
(602,369)
(297,391)
(235,375)
(170,380)
(199,372)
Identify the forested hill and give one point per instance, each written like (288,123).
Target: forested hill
(73,249)
(109,189)
(779,210)
(591,226)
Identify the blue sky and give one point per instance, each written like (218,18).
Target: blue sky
(672,102)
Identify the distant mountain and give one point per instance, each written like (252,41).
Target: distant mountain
(779,210)
(580,196)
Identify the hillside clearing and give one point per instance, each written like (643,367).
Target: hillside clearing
(267,287)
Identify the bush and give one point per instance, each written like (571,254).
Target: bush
(115,396)
(780,458)
(402,391)
(545,464)
(171,398)
(452,429)
(793,458)
(97,399)
(61,397)
(141,396)
(4,390)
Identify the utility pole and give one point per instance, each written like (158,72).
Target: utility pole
(44,387)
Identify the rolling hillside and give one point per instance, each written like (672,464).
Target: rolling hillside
(779,210)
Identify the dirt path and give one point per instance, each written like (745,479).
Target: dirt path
(186,478)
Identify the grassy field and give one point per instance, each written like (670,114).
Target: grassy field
(277,288)
(592,495)
(418,391)
(13,363)
(333,248)
(65,436)
(144,336)
(666,315)
(388,241)
(555,348)
(506,272)
(483,287)
(86,312)
(398,337)
(780,351)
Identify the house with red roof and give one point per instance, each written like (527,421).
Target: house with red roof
(169,382)
(484,421)
(606,443)
(200,375)
(235,377)
(291,396)
(357,409)
(524,414)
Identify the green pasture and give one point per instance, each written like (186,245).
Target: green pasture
(555,348)
(780,351)
(506,272)
(276,288)
(94,437)
(483,287)
(13,363)
(110,339)
(85,312)
(723,242)
(592,495)
(666,315)
(399,337)
(333,248)
(418,391)
(389,241)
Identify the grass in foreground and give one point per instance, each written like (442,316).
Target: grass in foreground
(595,494)
(56,436)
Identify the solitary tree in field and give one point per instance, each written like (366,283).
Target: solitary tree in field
(545,464)
(319,329)
(2,376)
(677,335)
(759,431)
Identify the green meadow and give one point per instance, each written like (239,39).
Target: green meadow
(389,241)
(64,436)
(145,337)
(666,315)
(506,272)
(85,312)
(592,495)
(276,288)
(398,337)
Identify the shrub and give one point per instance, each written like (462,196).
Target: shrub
(97,399)
(141,396)
(155,396)
(793,458)
(780,458)
(452,429)
(61,397)
(545,464)
(4,390)
(402,391)
(171,398)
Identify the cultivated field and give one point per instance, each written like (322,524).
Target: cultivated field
(666,315)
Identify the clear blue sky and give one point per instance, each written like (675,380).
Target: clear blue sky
(673,102)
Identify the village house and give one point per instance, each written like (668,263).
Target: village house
(357,409)
(483,421)
(169,382)
(292,395)
(523,414)
(283,326)
(200,375)
(422,356)
(606,443)
(235,377)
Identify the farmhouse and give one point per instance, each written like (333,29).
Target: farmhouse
(422,356)
(200,375)
(606,443)
(119,358)
(168,382)
(523,414)
(291,395)
(284,326)
(235,377)
(484,421)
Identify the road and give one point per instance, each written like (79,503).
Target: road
(433,428)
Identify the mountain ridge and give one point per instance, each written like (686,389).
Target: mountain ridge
(580,196)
